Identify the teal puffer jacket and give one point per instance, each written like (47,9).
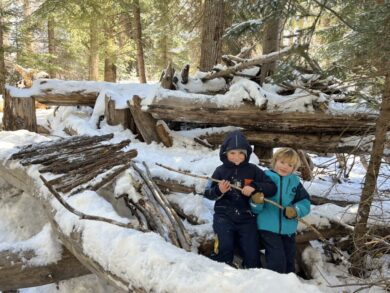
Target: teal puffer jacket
(290,193)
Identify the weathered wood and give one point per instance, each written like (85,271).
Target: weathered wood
(184,74)
(167,78)
(81,215)
(192,219)
(150,209)
(75,98)
(52,146)
(7,111)
(24,114)
(163,133)
(104,181)
(117,116)
(19,113)
(173,108)
(322,143)
(305,169)
(173,186)
(183,237)
(144,121)
(318,200)
(16,273)
(253,62)
(92,170)
(74,161)
(74,241)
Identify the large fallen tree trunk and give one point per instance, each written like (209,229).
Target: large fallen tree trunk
(16,273)
(73,242)
(182,109)
(317,143)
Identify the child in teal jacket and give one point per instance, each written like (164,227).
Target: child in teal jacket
(278,227)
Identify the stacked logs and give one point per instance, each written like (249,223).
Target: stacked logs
(90,162)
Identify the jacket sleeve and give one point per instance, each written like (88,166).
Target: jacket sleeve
(264,184)
(301,201)
(212,190)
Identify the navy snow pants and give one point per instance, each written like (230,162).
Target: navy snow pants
(237,228)
(279,251)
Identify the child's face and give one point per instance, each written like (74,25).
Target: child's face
(236,157)
(284,167)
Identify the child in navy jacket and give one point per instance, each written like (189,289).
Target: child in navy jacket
(233,220)
(277,227)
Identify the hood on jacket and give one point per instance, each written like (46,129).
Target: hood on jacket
(234,141)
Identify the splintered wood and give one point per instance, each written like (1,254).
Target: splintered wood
(85,162)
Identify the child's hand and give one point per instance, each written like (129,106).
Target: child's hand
(290,212)
(224,186)
(247,190)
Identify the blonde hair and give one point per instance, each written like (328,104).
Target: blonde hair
(286,154)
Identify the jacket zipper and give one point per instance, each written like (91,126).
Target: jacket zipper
(280,202)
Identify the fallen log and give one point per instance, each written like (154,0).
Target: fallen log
(73,242)
(15,273)
(181,109)
(317,143)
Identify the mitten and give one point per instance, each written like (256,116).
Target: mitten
(290,213)
(258,197)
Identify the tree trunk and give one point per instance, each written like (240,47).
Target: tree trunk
(212,31)
(271,43)
(3,70)
(27,38)
(138,41)
(51,46)
(109,61)
(93,49)
(174,108)
(359,236)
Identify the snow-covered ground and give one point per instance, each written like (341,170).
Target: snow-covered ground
(145,257)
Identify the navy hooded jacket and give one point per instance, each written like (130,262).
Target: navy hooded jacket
(244,174)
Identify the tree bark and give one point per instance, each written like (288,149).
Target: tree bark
(318,143)
(271,43)
(3,71)
(109,60)
(366,199)
(212,31)
(93,49)
(28,40)
(51,46)
(181,109)
(138,41)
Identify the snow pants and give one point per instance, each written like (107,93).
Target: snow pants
(279,251)
(236,228)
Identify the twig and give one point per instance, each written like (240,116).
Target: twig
(85,216)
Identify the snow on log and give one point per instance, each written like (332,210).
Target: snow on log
(174,106)
(16,272)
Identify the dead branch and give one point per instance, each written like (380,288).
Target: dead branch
(254,62)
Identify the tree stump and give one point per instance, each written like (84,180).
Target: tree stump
(24,114)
